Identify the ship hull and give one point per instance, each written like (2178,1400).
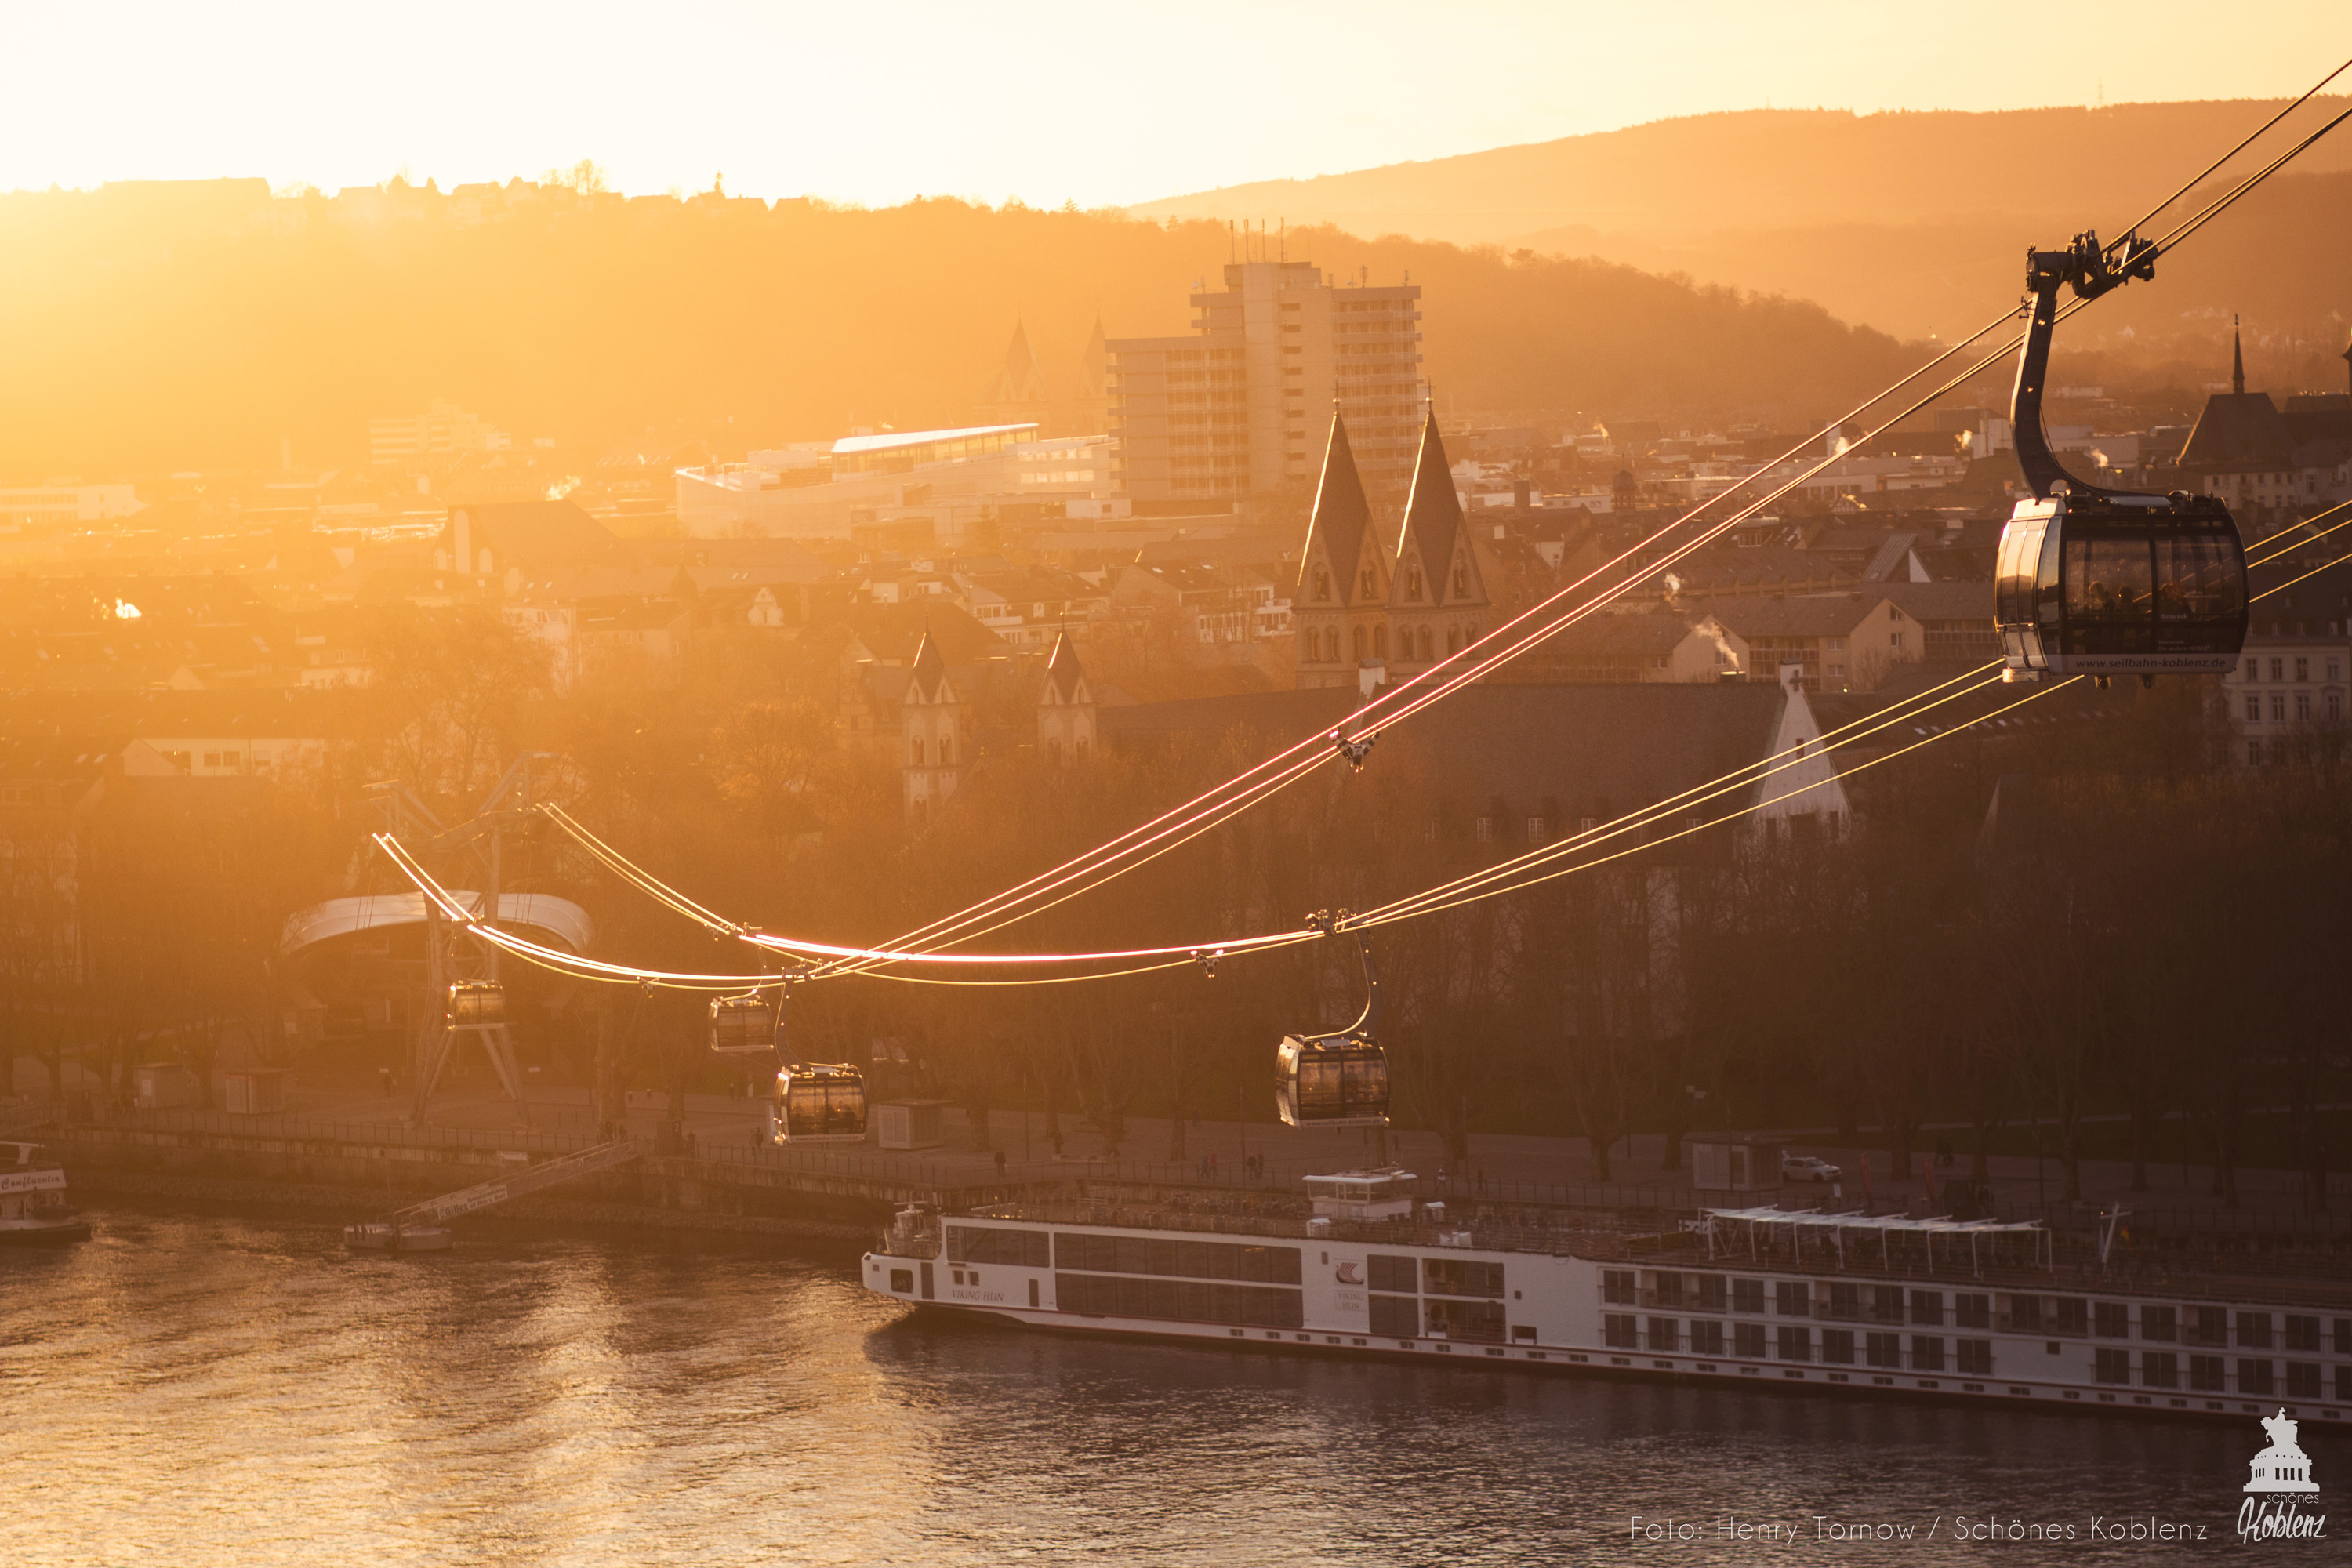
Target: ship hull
(58,1232)
(1958,1339)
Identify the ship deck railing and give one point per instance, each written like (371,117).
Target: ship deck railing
(1660,1239)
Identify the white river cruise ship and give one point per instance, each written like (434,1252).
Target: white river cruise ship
(1977,1311)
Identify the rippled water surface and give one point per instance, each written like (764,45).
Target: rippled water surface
(198,1387)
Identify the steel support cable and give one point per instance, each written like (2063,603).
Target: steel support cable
(952,926)
(859,960)
(1474,889)
(547,957)
(636,876)
(1903,712)
(871,962)
(2222,203)
(955,927)
(794,946)
(2286,546)
(875,960)
(1717,822)
(958,927)
(582,968)
(2298,577)
(2163,246)
(1388,915)
(1385,916)
(2207,172)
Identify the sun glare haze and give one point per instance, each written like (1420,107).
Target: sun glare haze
(1102,104)
(1271,783)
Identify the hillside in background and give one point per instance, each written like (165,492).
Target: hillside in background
(1912,222)
(187,326)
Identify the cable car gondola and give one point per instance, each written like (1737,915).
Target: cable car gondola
(1338,1079)
(741,1025)
(2097,582)
(476,1004)
(820,1102)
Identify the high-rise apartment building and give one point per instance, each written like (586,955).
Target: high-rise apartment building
(1243,404)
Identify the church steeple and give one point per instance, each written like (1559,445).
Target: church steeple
(1065,705)
(1439,597)
(1340,602)
(1337,528)
(930,668)
(2237,360)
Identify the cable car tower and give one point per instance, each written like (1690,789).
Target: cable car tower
(2100,582)
(463,993)
(1342,1078)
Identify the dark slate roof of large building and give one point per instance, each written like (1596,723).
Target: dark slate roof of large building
(1571,750)
(2237,430)
(1615,639)
(1794,616)
(537,532)
(892,632)
(1341,515)
(1957,601)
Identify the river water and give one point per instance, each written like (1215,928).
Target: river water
(198,1385)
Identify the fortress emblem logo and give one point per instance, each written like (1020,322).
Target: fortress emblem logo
(2281,1474)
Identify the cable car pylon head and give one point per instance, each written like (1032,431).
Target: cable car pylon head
(2100,582)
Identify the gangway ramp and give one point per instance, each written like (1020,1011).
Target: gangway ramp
(420,1227)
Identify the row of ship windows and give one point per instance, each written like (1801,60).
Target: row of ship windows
(2213,1375)
(1794,1341)
(2023,1312)
(1928,1352)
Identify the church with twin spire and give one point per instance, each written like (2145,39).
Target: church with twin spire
(1369,608)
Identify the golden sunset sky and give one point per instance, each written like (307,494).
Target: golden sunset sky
(1102,104)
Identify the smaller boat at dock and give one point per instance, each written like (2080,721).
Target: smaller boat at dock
(33,1207)
(387,1236)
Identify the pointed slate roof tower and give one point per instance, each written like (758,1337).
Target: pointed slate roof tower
(1094,363)
(1433,516)
(1066,708)
(930,668)
(1438,601)
(1020,381)
(1062,671)
(1339,530)
(1340,604)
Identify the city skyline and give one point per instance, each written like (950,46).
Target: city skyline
(353,98)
